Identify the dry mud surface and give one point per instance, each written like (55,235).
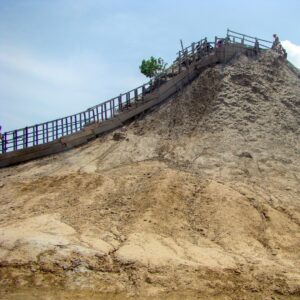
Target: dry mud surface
(199,199)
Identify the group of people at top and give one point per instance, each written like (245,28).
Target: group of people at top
(278,47)
(222,42)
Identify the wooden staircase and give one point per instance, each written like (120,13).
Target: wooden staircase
(63,134)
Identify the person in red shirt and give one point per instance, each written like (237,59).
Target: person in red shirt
(220,43)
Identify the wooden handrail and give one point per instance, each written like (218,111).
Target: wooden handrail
(248,36)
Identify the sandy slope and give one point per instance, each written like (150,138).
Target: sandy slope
(198,199)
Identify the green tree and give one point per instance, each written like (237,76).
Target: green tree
(152,67)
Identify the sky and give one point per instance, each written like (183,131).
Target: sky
(59,57)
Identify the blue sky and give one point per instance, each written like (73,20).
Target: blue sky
(59,57)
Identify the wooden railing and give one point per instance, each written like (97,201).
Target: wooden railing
(194,52)
(239,38)
(53,130)
(50,131)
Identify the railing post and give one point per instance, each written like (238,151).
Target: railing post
(128,99)
(15,142)
(105,111)
(113,102)
(179,62)
(44,134)
(193,51)
(93,113)
(102,112)
(71,124)
(113,106)
(136,95)
(110,109)
(37,134)
(187,60)
(97,113)
(80,121)
(52,130)
(33,135)
(26,137)
(120,102)
(4,142)
(56,129)
(89,116)
(84,118)
(47,132)
(75,122)
(62,126)
(67,124)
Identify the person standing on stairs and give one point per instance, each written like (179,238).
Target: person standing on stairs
(276,42)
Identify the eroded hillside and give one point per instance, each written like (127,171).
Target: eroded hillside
(200,198)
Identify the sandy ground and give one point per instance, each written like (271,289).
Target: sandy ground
(199,199)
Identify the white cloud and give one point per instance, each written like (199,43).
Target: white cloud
(53,72)
(293,51)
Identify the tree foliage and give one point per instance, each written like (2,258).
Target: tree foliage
(152,66)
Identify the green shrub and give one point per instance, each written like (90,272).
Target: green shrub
(152,66)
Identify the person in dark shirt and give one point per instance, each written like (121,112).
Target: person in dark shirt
(278,47)
(256,47)
(276,42)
